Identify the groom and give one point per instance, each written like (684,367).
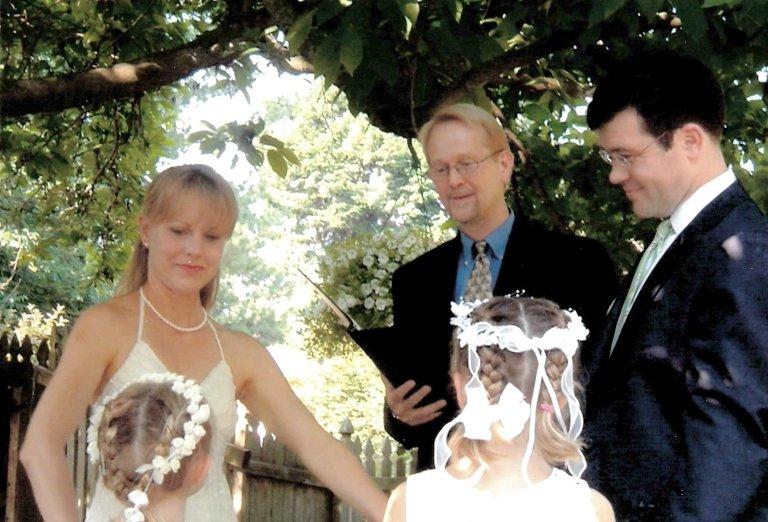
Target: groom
(495,252)
(677,407)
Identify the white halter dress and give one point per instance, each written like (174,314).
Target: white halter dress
(213,502)
(434,495)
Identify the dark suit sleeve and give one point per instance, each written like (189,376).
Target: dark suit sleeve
(725,422)
(399,431)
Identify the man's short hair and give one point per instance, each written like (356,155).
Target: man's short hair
(467,114)
(668,90)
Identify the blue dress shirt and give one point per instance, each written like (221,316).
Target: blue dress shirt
(497,245)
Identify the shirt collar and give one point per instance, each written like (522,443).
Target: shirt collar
(704,195)
(496,240)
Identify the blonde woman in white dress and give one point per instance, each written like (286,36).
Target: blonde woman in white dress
(501,458)
(158,322)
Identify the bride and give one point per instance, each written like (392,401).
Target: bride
(158,322)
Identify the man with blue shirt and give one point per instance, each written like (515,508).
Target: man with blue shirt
(496,252)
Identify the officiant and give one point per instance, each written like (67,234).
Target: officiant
(495,252)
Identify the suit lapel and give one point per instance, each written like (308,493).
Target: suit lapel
(513,270)
(708,218)
(445,276)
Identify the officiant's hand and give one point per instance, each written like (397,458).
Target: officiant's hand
(406,408)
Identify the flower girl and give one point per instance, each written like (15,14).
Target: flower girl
(151,440)
(503,456)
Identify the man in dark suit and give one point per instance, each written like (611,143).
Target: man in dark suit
(470,164)
(677,402)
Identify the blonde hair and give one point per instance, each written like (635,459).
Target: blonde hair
(499,367)
(470,115)
(164,196)
(137,425)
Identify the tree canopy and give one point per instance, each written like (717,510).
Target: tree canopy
(90,90)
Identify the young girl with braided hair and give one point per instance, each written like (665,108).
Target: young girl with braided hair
(151,441)
(512,368)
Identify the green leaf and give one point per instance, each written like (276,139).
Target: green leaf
(290,156)
(326,62)
(351,50)
(299,31)
(327,10)
(694,22)
(199,135)
(410,9)
(649,8)
(716,3)
(277,162)
(604,9)
(209,125)
(271,141)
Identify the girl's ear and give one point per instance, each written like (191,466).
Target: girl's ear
(197,471)
(459,381)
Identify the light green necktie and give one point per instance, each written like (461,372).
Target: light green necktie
(648,261)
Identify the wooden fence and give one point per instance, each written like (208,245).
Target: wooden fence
(267,480)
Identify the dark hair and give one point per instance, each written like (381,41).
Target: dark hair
(499,367)
(668,90)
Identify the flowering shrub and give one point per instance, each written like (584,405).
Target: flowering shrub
(37,325)
(357,274)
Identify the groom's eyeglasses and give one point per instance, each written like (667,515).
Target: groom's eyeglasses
(616,158)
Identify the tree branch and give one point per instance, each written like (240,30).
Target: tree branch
(126,80)
(494,69)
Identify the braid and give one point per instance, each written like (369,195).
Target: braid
(498,367)
(494,371)
(137,425)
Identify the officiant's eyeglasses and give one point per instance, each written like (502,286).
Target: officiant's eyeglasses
(617,158)
(463,167)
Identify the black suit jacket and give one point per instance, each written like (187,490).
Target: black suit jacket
(677,415)
(575,272)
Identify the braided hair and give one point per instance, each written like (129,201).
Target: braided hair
(137,425)
(499,367)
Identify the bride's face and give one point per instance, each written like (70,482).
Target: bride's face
(185,247)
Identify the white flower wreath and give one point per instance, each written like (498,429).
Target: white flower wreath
(180,447)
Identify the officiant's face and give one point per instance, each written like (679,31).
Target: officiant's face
(472,199)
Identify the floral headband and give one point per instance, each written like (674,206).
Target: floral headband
(512,410)
(180,446)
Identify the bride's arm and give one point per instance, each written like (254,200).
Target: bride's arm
(60,410)
(265,392)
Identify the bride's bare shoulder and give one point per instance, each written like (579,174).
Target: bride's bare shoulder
(113,317)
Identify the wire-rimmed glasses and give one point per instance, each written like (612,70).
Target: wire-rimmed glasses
(618,158)
(464,167)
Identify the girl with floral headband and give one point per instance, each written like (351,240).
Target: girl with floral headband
(158,322)
(512,368)
(151,443)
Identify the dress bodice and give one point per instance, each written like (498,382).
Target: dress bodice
(213,502)
(435,495)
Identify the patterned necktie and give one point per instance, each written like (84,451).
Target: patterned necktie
(479,285)
(647,262)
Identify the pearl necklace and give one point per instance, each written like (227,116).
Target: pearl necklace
(172,324)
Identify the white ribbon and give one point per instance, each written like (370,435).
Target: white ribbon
(512,410)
